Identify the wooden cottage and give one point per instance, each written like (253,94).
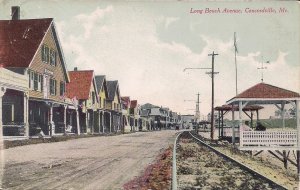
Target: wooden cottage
(103,111)
(114,105)
(83,88)
(31,47)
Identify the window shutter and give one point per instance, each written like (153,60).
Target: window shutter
(43,53)
(54,87)
(42,82)
(29,74)
(55,58)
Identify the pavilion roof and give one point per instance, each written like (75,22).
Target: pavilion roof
(263,93)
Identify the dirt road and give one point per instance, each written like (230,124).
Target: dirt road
(87,163)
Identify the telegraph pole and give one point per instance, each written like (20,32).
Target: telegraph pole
(212,93)
(197,108)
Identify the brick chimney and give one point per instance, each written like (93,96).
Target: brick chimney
(15,13)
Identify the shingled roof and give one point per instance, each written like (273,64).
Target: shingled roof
(133,103)
(263,90)
(20,39)
(112,88)
(101,82)
(80,84)
(263,93)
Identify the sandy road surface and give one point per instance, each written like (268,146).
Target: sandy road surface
(88,163)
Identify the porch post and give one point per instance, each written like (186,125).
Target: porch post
(103,123)
(77,120)
(25,114)
(233,126)
(2,92)
(86,121)
(65,118)
(51,120)
(240,122)
(99,120)
(110,121)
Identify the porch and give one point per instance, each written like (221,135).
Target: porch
(13,105)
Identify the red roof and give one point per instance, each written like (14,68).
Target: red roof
(20,39)
(133,103)
(80,84)
(263,90)
(125,101)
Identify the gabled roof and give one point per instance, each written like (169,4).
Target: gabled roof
(265,92)
(80,84)
(101,82)
(133,103)
(21,39)
(125,101)
(148,106)
(112,88)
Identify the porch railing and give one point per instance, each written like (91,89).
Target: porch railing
(14,129)
(268,138)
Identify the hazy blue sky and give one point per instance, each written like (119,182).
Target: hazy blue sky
(146,45)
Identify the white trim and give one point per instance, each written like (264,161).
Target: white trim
(236,100)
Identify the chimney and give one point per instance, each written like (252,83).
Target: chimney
(75,69)
(15,13)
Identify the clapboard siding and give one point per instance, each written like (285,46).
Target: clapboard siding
(38,66)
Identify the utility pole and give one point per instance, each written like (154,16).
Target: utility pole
(235,52)
(212,73)
(197,114)
(212,93)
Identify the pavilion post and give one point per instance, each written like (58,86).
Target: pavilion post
(233,126)
(219,122)
(282,114)
(222,123)
(240,121)
(251,120)
(298,136)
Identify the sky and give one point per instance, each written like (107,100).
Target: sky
(146,45)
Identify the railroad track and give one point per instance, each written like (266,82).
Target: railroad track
(228,163)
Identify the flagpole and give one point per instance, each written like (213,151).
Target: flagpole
(235,51)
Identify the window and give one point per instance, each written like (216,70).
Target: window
(52,58)
(100,102)
(93,97)
(48,55)
(45,54)
(36,81)
(52,87)
(62,88)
